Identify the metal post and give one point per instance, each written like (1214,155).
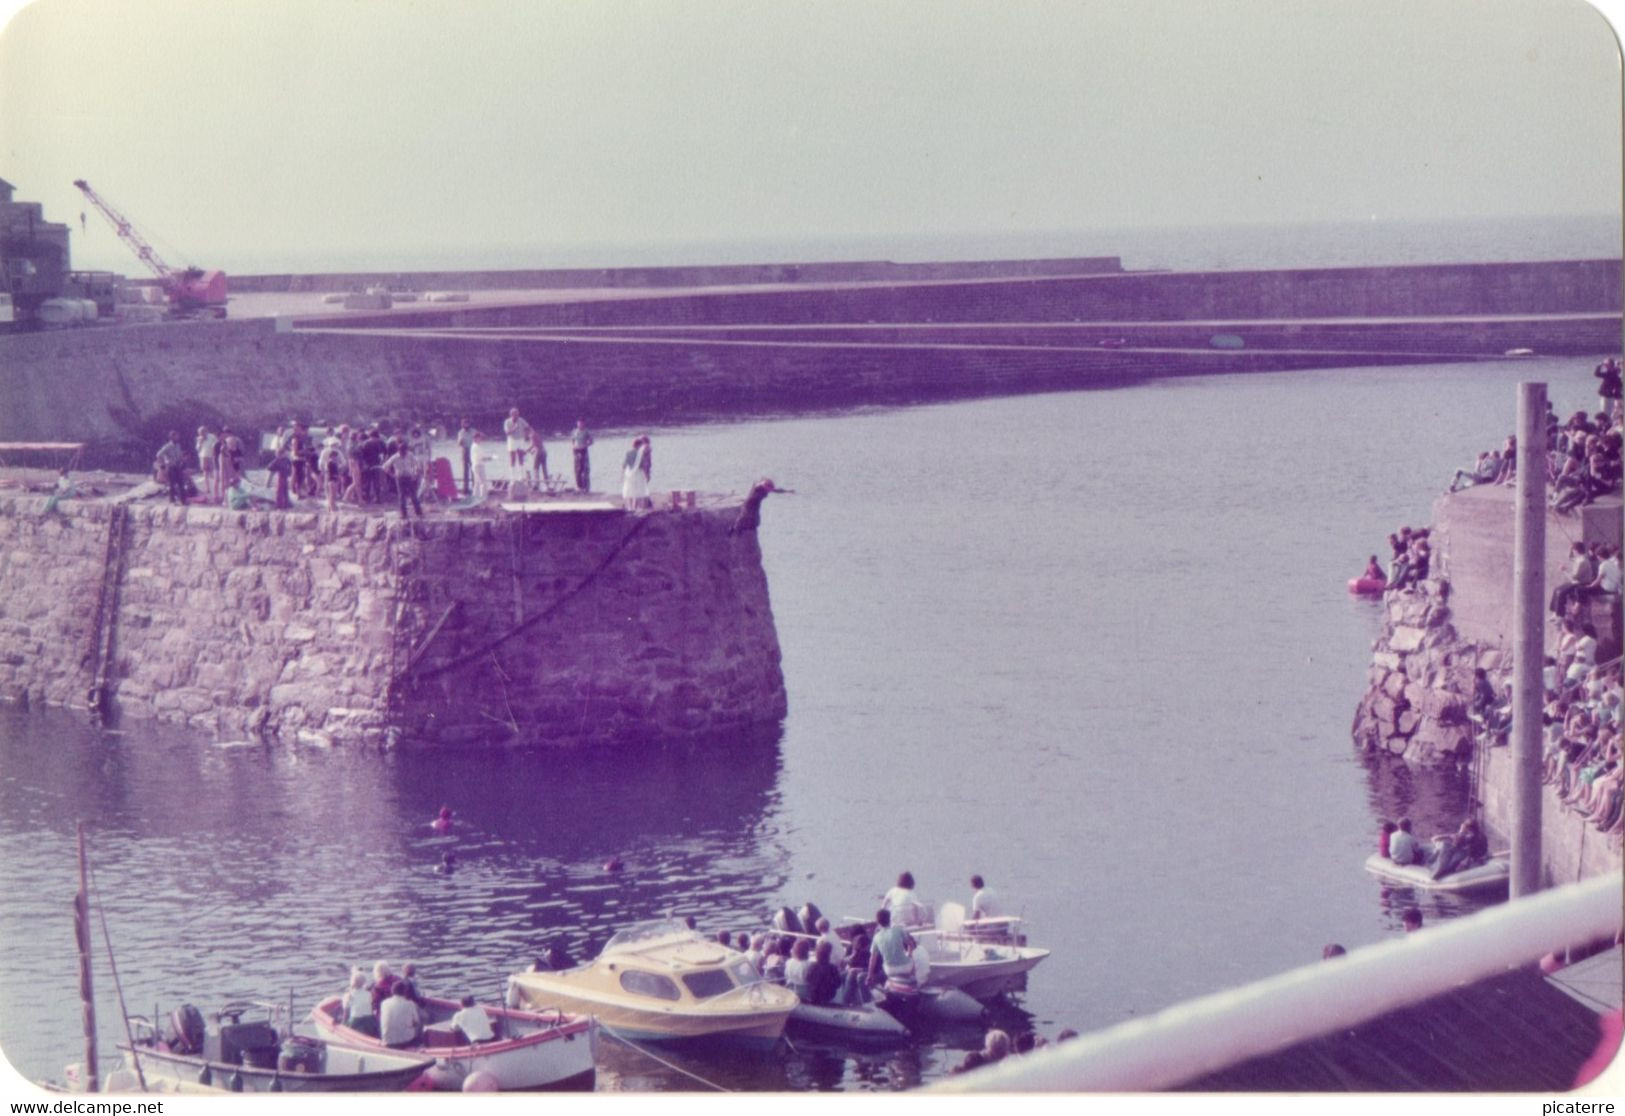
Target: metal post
(1528,638)
(81,931)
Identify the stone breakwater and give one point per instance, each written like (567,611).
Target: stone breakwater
(579,628)
(621,357)
(1421,680)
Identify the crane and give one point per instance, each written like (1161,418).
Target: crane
(188,290)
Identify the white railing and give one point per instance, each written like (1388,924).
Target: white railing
(1216,1031)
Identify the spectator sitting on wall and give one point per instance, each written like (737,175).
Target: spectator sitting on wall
(1582,578)
(1487,468)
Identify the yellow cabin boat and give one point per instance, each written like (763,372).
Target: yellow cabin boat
(660,981)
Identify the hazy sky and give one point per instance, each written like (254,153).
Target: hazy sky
(326,128)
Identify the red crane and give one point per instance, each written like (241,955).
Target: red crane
(189,290)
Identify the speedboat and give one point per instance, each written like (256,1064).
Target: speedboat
(982,958)
(661,981)
(531,1050)
(259,1056)
(1493,873)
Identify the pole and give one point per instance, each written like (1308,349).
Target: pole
(81,930)
(1528,638)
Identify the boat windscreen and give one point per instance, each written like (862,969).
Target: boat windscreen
(708,982)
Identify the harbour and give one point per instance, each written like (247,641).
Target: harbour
(878,598)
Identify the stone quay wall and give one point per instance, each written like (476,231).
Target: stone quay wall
(574,628)
(1421,677)
(120,389)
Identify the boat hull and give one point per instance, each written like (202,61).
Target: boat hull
(389,1074)
(864,1023)
(1489,876)
(756,1026)
(543,1051)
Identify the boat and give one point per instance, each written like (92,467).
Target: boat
(532,1049)
(257,1055)
(659,981)
(1493,873)
(852,1022)
(984,958)
(1367,586)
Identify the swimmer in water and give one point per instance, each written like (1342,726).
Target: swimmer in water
(442,822)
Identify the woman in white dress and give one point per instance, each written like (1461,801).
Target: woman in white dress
(635,476)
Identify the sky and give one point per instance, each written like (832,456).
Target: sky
(330,132)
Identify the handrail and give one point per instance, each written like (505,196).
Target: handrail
(1213,1032)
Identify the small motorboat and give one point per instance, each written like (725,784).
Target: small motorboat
(260,1056)
(531,1050)
(660,981)
(983,958)
(1492,874)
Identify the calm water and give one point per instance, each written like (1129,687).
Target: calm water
(1095,646)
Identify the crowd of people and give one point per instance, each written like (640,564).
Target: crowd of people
(1581,721)
(379,464)
(1582,454)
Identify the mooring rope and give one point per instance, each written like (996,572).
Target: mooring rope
(652,1056)
(564,598)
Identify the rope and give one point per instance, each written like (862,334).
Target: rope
(620,1038)
(564,598)
(107,940)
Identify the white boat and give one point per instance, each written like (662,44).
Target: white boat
(1493,873)
(983,958)
(260,1056)
(532,1050)
(660,981)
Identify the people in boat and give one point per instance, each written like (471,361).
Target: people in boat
(903,905)
(984,901)
(1374,571)
(892,953)
(473,1021)
(823,977)
(854,981)
(357,1004)
(742,942)
(399,1021)
(1467,848)
(383,983)
(1385,834)
(795,969)
(774,961)
(408,980)
(757,953)
(1402,844)
(826,933)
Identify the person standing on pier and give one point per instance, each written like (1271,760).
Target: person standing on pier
(580,441)
(518,433)
(209,464)
(538,458)
(406,469)
(170,465)
(465,442)
(635,476)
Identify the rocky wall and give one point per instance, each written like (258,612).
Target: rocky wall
(354,628)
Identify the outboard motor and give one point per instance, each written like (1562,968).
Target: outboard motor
(787,922)
(186,1030)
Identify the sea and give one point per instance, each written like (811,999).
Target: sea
(1095,646)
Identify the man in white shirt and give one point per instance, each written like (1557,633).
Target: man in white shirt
(399,1023)
(473,1022)
(984,901)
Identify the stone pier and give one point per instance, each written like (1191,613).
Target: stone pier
(574,627)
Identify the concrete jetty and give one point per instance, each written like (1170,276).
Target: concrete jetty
(565,627)
(1421,677)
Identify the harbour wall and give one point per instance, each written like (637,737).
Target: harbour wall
(573,628)
(667,357)
(631,278)
(1421,677)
